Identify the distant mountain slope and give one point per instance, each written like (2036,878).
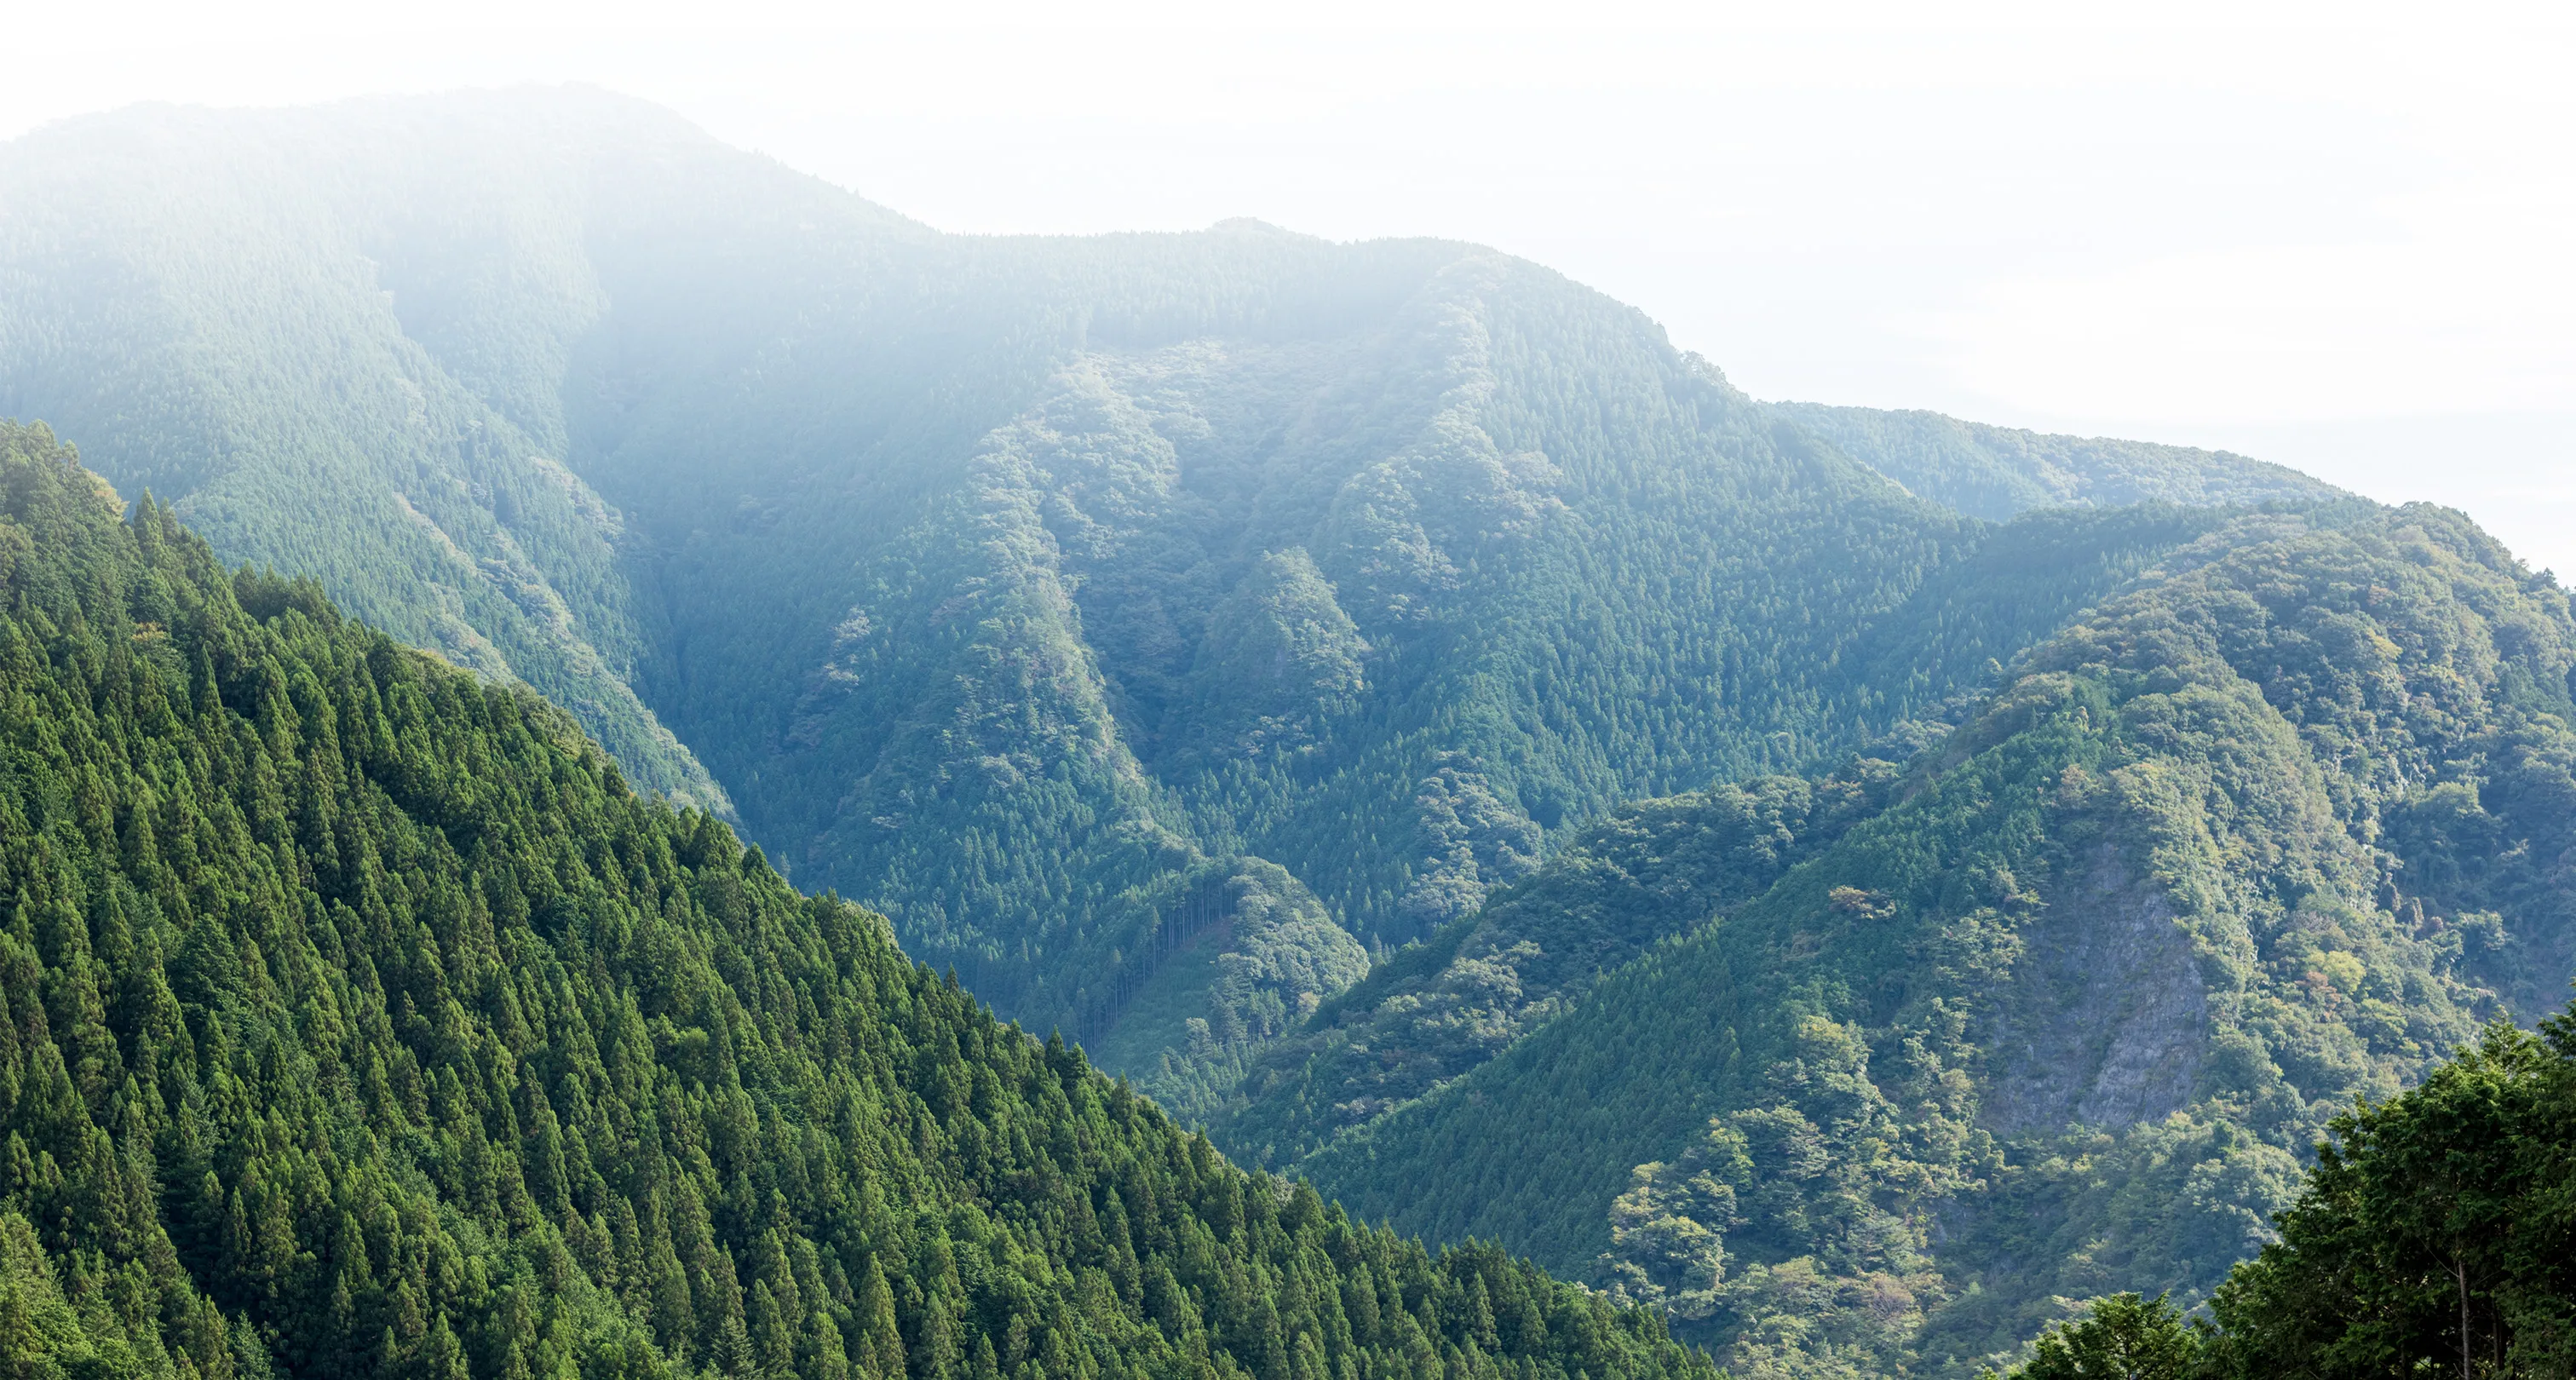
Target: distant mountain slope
(2265,833)
(1036,590)
(1436,1011)
(1660,868)
(361,1021)
(215,303)
(1995,472)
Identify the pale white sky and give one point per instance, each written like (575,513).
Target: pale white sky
(2334,235)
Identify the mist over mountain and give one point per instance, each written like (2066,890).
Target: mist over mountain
(361,1020)
(1383,698)
(997,581)
(1995,472)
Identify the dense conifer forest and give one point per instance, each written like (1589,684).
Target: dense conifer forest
(362,1020)
(1850,892)
(1011,584)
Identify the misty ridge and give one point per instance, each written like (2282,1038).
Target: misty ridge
(621,762)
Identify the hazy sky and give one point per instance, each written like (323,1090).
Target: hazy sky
(2332,235)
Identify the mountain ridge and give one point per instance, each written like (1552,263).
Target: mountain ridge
(2095,977)
(1995,472)
(362,1020)
(1158,628)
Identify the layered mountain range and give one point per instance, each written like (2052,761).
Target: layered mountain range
(1852,880)
(361,1019)
(1870,1072)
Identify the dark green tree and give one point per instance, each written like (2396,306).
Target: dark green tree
(2122,1337)
(2437,1233)
(358,1019)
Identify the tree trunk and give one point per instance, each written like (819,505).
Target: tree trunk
(2460,1270)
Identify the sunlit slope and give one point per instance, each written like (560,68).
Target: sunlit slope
(1662,867)
(2266,833)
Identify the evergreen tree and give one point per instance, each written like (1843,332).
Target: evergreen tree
(357,1018)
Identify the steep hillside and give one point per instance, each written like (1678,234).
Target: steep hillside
(2269,831)
(1018,586)
(2434,1236)
(1436,1010)
(216,305)
(361,1021)
(1663,867)
(1995,472)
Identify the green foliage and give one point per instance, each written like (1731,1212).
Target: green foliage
(215,308)
(1142,623)
(360,1020)
(2433,1237)
(1996,472)
(2080,996)
(1834,1270)
(44,1336)
(1280,661)
(1438,1009)
(2437,1234)
(2122,1337)
(1004,581)
(1247,954)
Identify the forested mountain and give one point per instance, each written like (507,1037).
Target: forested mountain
(1151,625)
(2437,1236)
(360,1020)
(213,306)
(1878,877)
(2266,832)
(1659,868)
(1996,472)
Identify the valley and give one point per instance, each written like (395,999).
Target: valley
(1843,887)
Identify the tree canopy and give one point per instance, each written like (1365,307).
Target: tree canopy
(2434,1237)
(2271,831)
(1009,584)
(361,1020)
